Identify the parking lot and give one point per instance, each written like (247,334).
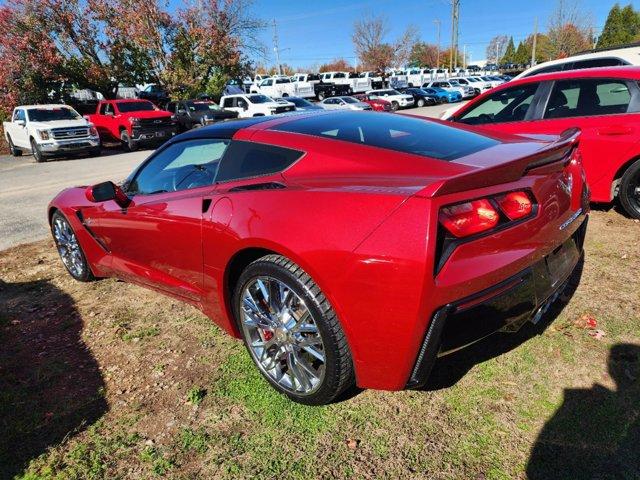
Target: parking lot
(27,187)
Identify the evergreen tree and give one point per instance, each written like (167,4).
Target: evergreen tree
(509,53)
(523,54)
(622,26)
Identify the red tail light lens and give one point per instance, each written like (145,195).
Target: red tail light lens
(469,218)
(515,205)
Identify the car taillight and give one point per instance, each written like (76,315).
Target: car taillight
(469,218)
(515,205)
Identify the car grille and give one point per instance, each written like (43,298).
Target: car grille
(69,133)
(155,122)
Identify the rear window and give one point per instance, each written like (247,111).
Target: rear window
(393,132)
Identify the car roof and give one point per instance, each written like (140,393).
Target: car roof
(629,53)
(48,105)
(628,72)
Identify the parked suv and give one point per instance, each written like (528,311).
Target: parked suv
(133,123)
(198,113)
(604,103)
(397,99)
(50,130)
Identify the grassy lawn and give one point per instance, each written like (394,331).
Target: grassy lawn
(109,380)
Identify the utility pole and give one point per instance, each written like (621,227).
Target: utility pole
(276,48)
(535,41)
(455,15)
(464,58)
(437,22)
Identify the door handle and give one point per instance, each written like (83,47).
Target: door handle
(615,130)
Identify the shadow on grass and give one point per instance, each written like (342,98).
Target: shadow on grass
(50,384)
(449,369)
(595,434)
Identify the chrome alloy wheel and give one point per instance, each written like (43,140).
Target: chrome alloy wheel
(282,336)
(68,247)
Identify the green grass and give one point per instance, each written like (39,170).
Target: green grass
(196,395)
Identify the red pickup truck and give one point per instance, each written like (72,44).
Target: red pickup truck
(133,122)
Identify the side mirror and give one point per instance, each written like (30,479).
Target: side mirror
(105,191)
(22,123)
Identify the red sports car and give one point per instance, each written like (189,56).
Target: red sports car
(604,103)
(377,103)
(342,247)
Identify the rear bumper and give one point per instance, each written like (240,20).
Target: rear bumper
(504,307)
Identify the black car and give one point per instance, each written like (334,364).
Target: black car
(198,113)
(300,103)
(421,98)
(155,94)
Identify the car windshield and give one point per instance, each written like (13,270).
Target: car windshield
(454,83)
(125,107)
(51,114)
(471,79)
(349,100)
(259,99)
(298,102)
(202,106)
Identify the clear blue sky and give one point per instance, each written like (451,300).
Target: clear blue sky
(317,31)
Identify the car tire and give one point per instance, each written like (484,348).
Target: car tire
(420,102)
(69,249)
(394,105)
(36,152)
(15,151)
(629,193)
(311,366)
(321,96)
(196,125)
(94,152)
(125,140)
(444,100)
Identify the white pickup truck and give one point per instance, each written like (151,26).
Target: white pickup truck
(50,130)
(276,87)
(356,84)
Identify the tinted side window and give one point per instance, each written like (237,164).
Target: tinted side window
(587,97)
(180,166)
(227,103)
(552,68)
(248,159)
(599,62)
(508,105)
(106,108)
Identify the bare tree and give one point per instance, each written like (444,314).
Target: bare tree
(404,45)
(496,48)
(570,29)
(368,39)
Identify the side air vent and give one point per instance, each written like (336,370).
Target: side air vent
(258,186)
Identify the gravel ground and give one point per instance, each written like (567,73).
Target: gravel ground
(27,187)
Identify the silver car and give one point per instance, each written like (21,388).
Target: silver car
(344,103)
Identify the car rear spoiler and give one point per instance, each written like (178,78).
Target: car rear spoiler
(557,152)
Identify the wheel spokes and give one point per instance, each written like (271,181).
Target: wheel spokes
(282,335)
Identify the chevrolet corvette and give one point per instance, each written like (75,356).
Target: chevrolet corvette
(344,248)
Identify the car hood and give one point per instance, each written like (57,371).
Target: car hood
(60,124)
(147,114)
(214,114)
